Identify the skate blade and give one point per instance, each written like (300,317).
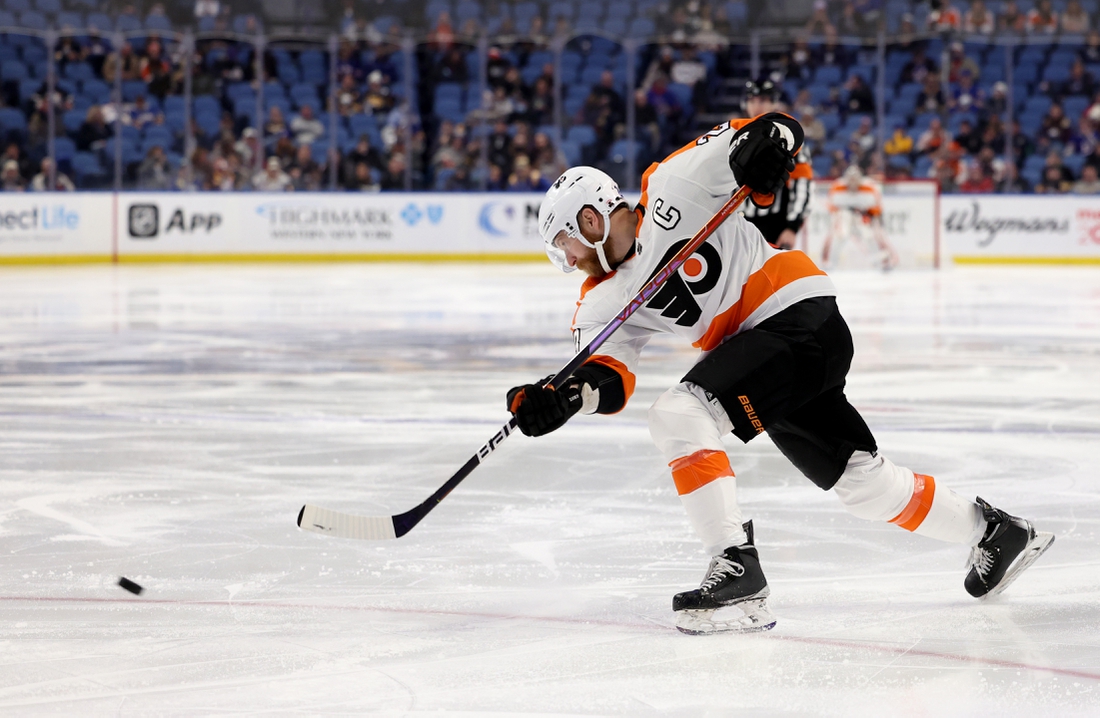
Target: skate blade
(1034,549)
(756,619)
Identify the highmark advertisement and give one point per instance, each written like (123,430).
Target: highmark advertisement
(413,226)
(63,227)
(1025,229)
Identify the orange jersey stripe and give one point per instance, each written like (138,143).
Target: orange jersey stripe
(924,490)
(629,380)
(692,472)
(779,271)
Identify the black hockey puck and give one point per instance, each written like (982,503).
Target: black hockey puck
(130,586)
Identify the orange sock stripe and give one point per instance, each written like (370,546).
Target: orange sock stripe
(691,472)
(924,490)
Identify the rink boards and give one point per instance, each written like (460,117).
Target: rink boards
(129,227)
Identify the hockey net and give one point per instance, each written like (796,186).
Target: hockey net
(910,210)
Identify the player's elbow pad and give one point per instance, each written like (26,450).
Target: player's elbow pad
(609,384)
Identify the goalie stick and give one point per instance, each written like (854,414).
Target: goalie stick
(336,523)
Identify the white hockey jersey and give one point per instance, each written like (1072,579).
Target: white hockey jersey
(734,281)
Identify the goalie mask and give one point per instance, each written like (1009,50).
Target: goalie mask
(578,188)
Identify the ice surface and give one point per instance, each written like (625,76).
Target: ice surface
(165,423)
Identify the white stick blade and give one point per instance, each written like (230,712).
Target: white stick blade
(335,523)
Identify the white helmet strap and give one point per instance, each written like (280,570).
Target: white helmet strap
(599,246)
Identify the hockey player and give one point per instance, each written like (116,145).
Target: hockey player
(774,356)
(855,211)
(780,221)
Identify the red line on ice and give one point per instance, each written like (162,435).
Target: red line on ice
(834,643)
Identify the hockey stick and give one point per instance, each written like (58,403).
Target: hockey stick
(335,523)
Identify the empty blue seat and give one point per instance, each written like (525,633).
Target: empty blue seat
(72,120)
(13,70)
(17,5)
(79,71)
(132,89)
(33,19)
(50,7)
(87,171)
(827,75)
(127,23)
(64,149)
(99,21)
(158,22)
(207,104)
(70,20)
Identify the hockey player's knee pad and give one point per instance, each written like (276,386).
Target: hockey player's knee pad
(872,488)
(683,421)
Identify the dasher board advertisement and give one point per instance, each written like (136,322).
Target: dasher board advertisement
(55,226)
(413,226)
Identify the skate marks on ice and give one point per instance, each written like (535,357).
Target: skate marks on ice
(189,425)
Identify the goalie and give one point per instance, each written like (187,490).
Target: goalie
(855,213)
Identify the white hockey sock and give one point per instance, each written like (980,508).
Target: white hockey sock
(873,488)
(715,515)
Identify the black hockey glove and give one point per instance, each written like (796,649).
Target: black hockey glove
(539,409)
(762,152)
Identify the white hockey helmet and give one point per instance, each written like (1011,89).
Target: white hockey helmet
(577,188)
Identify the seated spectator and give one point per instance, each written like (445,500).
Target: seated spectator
(1012,182)
(442,36)
(272,179)
(832,52)
(993,136)
(944,16)
(1089,182)
(1054,181)
(966,95)
(1022,145)
(305,127)
(10,179)
(997,102)
(14,153)
(207,8)
(979,21)
(687,70)
(978,180)
(1080,82)
(1087,136)
(864,138)
(861,101)
(247,147)
(1090,53)
(349,98)
(969,138)
(275,128)
(365,153)
(799,61)
(1011,20)
(524,178)
(361,179)
(1042,20)
(451,68)
(666,105)
(932,139)
(540,106)
(811,126)
(946,167)
(959,64)
(94,131)
(899,143)
(1056,127)
(155,69)
(378,97)
(1075,21)
(549,162)
(819,23)
(306,172)
(139,114)
(394,176)
(125,60)
(41,181)
(659,66)
(931,98)
(154,172)
(918,67)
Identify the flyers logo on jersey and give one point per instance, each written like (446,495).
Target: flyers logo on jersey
(698,275)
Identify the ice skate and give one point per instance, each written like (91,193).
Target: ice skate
(1009,546)
(734,584)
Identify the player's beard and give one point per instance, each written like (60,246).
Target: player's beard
(589,263)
